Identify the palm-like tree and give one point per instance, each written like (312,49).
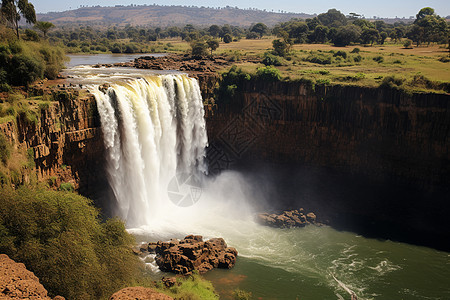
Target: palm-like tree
(44,26)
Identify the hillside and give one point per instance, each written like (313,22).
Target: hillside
(157,15)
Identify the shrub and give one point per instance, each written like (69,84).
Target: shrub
(199,48)
(357,58)
(319,58)
(227,38)
(392,82)
(5,151)
(66,186)
(407,44)
(241,295)
(355,50)
(378,59)
(271,60)
(323,81)
(59,237)
(269,73)
(24,69)
(444,59)
(340,53)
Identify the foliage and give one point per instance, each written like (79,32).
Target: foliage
(241,295)
(44,26)
(5,151)
(59,237)
(392,82)
(192,287)
(66,187)
(346,35)
(199,48)
(378,59)
(268,73)
(12,10)
(25,62)
(407,44)
(31,35)
(319,58)
(227,38)
(260,29)
(340,53)
(272,60)
(213,44)
(280,48)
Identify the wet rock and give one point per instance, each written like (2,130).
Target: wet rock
(192,253)
(287,219)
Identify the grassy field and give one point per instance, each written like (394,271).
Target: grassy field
(368,67)
(416,67)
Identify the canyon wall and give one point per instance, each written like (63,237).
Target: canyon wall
(65,139)
(383,133)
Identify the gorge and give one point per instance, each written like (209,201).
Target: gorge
(371,157)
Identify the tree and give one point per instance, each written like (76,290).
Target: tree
(280,48)
(214,30)
(346,35)
(383,36)
(428,27)
(426,11)
(320,34)
(259,28)
(199,48)
(44,26)
(370,35)
(212,45)
(12,10)
(332,18)
(227,38)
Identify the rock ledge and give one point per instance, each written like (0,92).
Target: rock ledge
(192,253)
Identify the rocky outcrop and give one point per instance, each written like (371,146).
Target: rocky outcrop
(186,63)
(192,253)
(65,139)
(16,282)
(287,219)
(139,293)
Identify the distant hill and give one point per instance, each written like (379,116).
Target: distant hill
(156,15)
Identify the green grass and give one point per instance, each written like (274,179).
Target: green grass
(192,287)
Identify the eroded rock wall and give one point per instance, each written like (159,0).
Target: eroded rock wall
(66,141)
(378,132)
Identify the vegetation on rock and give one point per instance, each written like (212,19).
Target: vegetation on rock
(59,236)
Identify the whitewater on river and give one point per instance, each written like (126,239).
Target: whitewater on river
(155,138)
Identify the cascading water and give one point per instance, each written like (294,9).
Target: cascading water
(153,128)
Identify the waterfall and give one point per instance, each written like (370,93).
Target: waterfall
(153,129)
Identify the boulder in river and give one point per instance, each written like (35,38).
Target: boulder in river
(287,219)
(192,253)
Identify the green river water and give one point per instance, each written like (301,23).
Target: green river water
(301,263)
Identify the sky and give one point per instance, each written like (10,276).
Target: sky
(379,8)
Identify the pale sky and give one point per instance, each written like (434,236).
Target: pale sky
(380,8)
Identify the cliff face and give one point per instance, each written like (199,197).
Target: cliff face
(66,141)
(382,133)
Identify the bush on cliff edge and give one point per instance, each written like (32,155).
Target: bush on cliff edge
(59,236)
